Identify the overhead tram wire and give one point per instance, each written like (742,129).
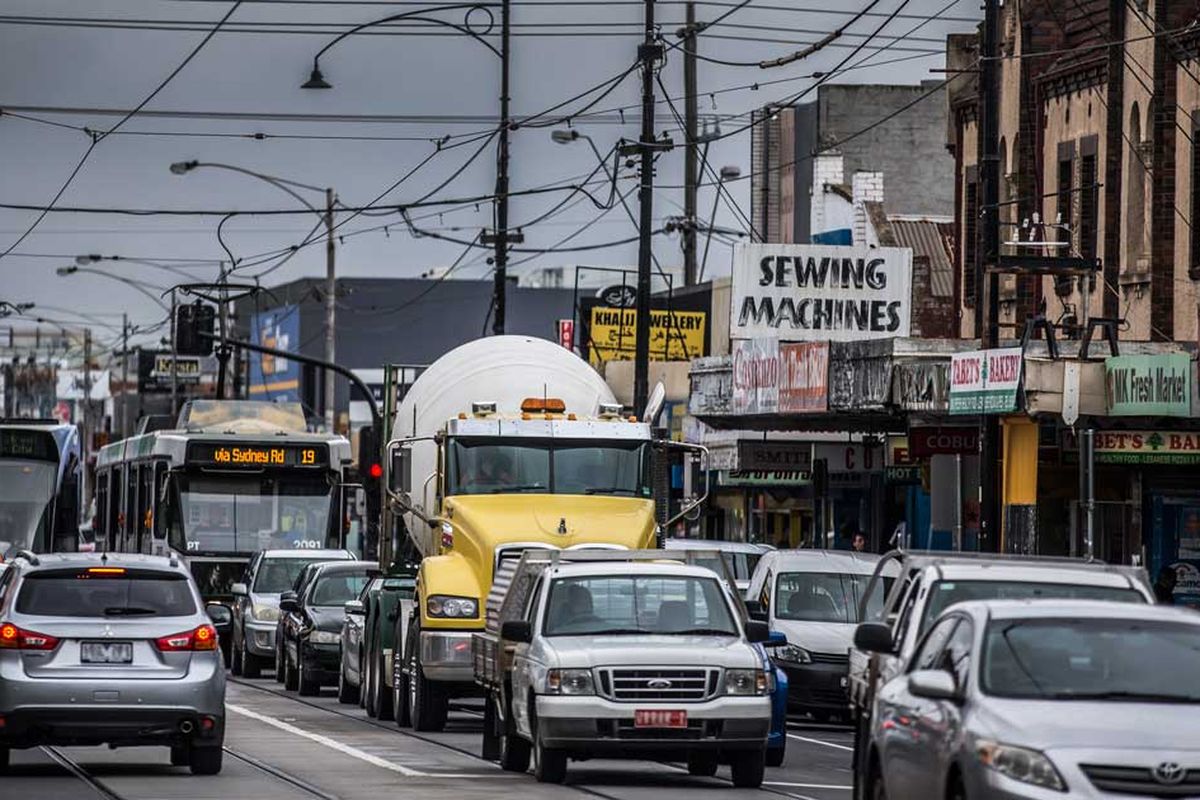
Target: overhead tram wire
(100,137)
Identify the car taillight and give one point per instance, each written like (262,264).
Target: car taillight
(202,638)
(14,638)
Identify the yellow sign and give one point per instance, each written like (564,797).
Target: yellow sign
(677,336)
(266,456)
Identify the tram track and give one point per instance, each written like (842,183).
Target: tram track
(80,772)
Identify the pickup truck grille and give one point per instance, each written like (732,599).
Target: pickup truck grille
(631,685)
(830,658)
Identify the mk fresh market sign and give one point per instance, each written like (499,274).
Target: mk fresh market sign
(1152,386)
(985,381)
(1147,447)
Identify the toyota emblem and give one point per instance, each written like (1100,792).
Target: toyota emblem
(658,683)
(1169,773)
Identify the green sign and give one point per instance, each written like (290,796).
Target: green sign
(1147,447)
(1149,386)
(985,381)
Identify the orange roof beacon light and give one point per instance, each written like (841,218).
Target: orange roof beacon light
(545,405)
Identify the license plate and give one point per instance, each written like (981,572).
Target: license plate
(106,652)
(656,718)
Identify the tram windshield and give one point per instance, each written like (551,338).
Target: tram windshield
(26,503)
(246,514)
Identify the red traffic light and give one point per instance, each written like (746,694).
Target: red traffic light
(376,471)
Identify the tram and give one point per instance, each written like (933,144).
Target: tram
(41,485)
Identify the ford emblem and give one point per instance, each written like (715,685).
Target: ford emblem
(659,683)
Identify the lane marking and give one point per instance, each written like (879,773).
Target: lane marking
(819,741)
(807,785)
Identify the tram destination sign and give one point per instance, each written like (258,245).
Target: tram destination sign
(235,455)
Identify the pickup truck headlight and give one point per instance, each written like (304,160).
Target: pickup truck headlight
(264,613)
(324,637)
(745,681)
(1020,764)
(569,681)
(445,606)
(793,654)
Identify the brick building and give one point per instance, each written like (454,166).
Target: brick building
(1098,139)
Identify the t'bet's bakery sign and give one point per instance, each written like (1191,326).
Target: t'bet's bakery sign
(985,381)
(821,292)
(1147,447)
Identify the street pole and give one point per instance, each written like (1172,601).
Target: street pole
(174,361)
(501,235)
(987,306)
(87,411)
(124,375)
(690,177)
(222,350)
(641,367)
(330,311)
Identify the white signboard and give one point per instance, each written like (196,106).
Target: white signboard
(985,381)
(756,376)
(821,292)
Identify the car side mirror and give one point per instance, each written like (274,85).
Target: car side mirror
(239,590)
(756,611)
(874,637)
(517,630)
(933,684)
(757,632)
(287,602)
(220,615)
(355,607)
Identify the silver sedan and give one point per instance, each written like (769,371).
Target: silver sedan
(1036,699)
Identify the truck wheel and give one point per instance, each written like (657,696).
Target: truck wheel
(400,707)
(776,755)
(491,730)
(427,703)
(702,765)
(514,753)
(549,764)
(749,766)
(383,697)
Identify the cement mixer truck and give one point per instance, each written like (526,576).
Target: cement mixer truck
(503,444)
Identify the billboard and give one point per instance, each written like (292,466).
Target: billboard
(273,378)
(985,381)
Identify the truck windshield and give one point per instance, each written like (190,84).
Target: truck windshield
(946,593)
(504,466)
(824,596)
(26,492)
(617,605)
(245,514)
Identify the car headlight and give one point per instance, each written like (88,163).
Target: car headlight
(445,606)
(264,613)
(793,654)
(1020,764)
(569,681)
(745,681)
(324,637)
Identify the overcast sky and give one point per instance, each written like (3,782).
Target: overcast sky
(450,83)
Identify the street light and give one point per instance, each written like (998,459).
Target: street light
(140,286)
(316,80)
(94,258)
(284,185)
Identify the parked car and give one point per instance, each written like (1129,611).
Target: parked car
(740,557)
(112,649)
(312,623)
(812,597)
(1036,699)
(352,672)
(305,575)
(256,603)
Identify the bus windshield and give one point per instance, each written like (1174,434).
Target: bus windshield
(26,495)
(504,466)
(246,514)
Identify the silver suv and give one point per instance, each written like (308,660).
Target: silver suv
(109,649)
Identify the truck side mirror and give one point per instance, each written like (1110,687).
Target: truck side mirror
(400,474)
(874,637)
(517,630)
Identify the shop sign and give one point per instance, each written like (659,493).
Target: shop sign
(921,385)
(620,295)
(985,381)
(566,333)
(1147,447)
(821,292)
(909,475)
(674,335)
(1150,386)
(803,377)
(850,457)
(741,477)
(901,467)
(860,376)
(756,376)
(943,441)
(778,455)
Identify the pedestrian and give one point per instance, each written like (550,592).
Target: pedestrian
(859,542)
(1164,587)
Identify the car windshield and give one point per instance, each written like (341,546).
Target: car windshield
(1134,660)
(276,575)
(824,596)
(495,466)
(26,489)
(244,514)
(740,565)
(946,593)
(84,593)
(655,604)
(335,589)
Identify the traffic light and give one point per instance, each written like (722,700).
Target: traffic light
(191,321)
(370,468)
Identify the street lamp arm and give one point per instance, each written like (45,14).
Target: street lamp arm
(131,284)
(418,15)
(281,184)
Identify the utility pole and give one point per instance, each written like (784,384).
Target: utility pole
(330,311)
(648,53)
(690,177)
(174,360)
(987,301)
(124,375)
(223,320)
(87,412)
(500,238)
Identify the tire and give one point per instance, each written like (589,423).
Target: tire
(955,789)
(549,764)
(383,696)
(514,751)
(748,767)
(306,684)
(5,759)
(179,755)
(236,661)
(776,755)
(490,749)
(400,708)
(205,760)
(427,703)
(702,765)
(291,676)
(347,694)
(251,664)
(369,697)
(280,662)
(874,788)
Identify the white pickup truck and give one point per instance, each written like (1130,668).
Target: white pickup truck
(621,655)
(931,582)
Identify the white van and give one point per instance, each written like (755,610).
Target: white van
(812,597)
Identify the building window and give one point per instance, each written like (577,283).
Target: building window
(1193,237)
(970,241)
(1088,203)
(1066,175)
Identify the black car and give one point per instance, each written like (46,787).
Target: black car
(302,579)
(312,623)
